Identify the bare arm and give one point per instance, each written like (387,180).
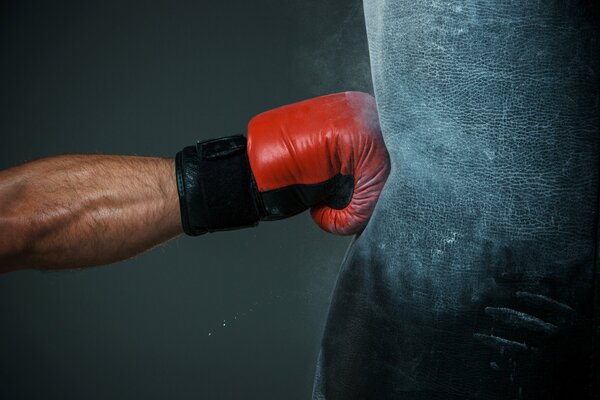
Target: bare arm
(83,210)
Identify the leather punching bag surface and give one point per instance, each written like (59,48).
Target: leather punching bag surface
(475,278)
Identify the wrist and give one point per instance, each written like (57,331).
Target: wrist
(215,186)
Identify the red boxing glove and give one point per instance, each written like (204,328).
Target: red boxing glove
(329,147)
(326,154)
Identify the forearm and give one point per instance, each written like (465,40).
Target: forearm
(83,210)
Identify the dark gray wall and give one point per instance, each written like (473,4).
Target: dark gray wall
(225,316)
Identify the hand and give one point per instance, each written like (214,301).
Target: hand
(325,153)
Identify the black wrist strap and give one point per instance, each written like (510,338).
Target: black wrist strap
(216,187)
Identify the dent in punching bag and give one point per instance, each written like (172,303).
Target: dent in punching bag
(475,278)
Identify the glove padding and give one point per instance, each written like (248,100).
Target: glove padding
(325,153)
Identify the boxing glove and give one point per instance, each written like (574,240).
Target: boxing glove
(325,153)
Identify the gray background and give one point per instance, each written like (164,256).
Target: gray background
(148,78)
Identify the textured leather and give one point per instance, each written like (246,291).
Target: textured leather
(474,278)
(315,141)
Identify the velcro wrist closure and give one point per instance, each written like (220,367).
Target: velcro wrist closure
(216,187)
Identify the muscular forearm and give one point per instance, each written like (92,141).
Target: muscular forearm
(83,210)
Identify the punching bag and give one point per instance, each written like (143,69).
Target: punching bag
(477,275)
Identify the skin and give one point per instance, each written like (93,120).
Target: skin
(77,211)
